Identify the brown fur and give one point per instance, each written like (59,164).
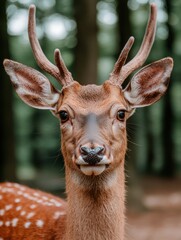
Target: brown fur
(96,204)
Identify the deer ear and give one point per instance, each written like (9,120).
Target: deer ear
(32,86)
(149,84)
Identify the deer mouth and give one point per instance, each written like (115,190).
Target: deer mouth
(92,169)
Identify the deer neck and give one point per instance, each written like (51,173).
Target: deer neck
(95,206)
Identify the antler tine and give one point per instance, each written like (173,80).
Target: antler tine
(115,76)
(121,71)
(40,57)
(145,48)
(64,73)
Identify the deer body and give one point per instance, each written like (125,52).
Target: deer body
(93,130)
(29,214)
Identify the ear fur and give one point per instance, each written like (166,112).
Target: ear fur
(32,86)
(149,84)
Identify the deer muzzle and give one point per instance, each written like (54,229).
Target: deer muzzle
(92,161)
(91,152)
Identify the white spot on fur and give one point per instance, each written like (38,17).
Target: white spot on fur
(4,190)
(39,223)
(19,192)
(32,206)
(30,215)
(14,222)
(58,214)
(7,223)
(36,194)
(9,184)
(31,198)
(45,198)
(22,188)
(53,200)
(18,208)
(23,213)
(17,200)
(27,224)
(26,195)
(16,185)
(58,204)
(1,238)
(1,223)
(8,207)
(2,211)
(48,204)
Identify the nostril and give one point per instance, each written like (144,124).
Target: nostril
(99,150)
(84,150)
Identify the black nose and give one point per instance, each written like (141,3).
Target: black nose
(92,156)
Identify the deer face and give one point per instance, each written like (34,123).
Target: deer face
(93,118)
(93,126)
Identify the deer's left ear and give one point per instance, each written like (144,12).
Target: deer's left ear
(32,86)
(149,84)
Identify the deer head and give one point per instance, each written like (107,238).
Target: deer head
(92,118)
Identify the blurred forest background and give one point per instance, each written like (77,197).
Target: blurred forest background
(90,35)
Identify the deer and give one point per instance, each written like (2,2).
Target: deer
(93,142)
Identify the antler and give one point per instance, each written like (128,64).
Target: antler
(121,71)
(60,72)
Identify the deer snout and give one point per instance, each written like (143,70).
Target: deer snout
(92,156)
(92,160)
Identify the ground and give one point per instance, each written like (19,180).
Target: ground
(160,217)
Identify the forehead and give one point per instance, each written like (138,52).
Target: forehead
(92,97)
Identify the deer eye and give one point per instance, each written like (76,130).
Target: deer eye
(64,116)
(121,115)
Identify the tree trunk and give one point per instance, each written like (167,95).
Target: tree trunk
(134,190)
(167,130)
(7,155)
(124,25)
(86,51)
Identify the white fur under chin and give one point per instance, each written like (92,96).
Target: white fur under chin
(92,170)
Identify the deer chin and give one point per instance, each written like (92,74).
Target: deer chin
(92,170)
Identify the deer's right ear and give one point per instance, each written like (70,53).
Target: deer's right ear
(32,86)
